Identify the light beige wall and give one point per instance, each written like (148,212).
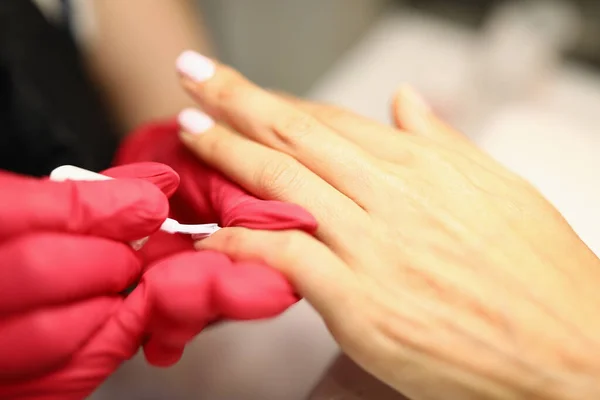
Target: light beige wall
(283,44)
(287,44)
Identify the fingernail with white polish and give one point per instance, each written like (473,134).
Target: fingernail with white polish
(195,66)
(194,121)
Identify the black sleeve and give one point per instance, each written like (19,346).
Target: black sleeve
(50,112)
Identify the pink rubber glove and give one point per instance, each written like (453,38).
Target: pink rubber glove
(190,290)
(64,260)
(203,195)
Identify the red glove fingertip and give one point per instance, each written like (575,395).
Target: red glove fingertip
(159,174)
(120,209)
(191,290)
(271,215)
(142,208)
(250,290)
(161,355)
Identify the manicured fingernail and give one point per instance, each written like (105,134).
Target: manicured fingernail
(195,66)
(414,100)
(194,121)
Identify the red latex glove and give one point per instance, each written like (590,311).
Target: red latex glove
(204,195)
(190,289)
(64,259)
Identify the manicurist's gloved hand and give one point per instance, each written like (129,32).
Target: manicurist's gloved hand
(203,194)
(186,289)
(64,263)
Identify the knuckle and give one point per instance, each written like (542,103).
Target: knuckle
(151,206)
(213,145)
(435,159)
(230,241)
(230,93)
(277,177)
(330,113)
(230,88)
(294,128)
(405,152)
(288,245)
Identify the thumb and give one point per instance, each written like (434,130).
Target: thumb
(412,114)
(315,271)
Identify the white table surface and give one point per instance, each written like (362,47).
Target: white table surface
(551,140)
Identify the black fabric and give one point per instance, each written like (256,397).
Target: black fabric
(50,113)
(65,7)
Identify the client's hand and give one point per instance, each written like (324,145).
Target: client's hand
(64,261)
(437,270)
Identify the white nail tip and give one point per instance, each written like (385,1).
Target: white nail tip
(195,66)
(194,121)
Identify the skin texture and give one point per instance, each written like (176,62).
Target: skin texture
(437,270)
(345,380)
(128,37)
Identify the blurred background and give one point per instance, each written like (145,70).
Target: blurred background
(521,78)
